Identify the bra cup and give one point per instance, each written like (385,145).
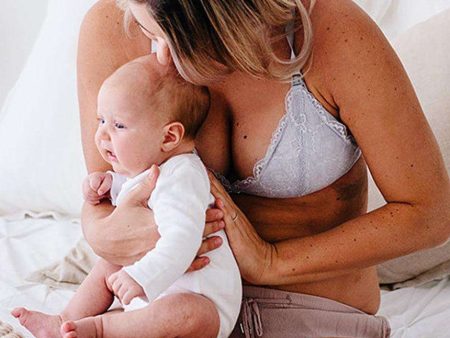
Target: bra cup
(309,150)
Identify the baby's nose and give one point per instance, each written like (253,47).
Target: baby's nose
(103,133)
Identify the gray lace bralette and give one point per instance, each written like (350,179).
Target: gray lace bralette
(309,150)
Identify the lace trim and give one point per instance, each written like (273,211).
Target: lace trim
(339,128)
(275,139)
(330,120)
(223,180)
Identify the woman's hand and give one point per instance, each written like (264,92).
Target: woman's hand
(129,232)
(214,223)
(254,256)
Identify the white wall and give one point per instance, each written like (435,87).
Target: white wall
(20,21)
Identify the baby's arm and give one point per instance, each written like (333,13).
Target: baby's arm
(96,186)
(179,202)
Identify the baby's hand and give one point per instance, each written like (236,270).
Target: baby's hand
(124,287)
(96,187)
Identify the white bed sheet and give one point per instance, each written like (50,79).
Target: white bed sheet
(30,244)
(25,246)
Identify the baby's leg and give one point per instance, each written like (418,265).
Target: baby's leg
(92,298)
(175,315)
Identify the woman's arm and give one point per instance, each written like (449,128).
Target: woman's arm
(103,47)
(365,81)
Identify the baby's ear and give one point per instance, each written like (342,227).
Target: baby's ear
(173,134)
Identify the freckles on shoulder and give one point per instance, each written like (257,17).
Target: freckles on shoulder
(343,32)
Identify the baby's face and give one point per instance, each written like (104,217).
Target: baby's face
(129,135)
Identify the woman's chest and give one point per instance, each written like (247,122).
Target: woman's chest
(253,110)
(281,142)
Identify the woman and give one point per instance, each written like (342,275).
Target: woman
(299,226)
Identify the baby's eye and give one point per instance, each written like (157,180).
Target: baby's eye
(119,125)
(100,120)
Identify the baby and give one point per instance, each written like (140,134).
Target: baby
(148,116)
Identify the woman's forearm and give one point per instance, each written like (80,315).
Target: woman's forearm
(119,235)
(92,217)
(394,230)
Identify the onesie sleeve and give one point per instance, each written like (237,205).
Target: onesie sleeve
(179,203)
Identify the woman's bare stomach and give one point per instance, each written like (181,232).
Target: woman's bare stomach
(280,219)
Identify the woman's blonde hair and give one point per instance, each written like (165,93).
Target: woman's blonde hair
(211,38)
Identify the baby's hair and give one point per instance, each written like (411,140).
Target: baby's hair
(181,101)
(167,95)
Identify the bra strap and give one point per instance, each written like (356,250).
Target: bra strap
(296,77)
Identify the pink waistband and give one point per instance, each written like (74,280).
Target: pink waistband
(274,313)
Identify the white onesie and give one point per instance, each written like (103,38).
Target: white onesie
(179,202)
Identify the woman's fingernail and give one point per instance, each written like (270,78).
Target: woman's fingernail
(206,260)
(221,224)
(218,241)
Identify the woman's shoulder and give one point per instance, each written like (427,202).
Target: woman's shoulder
(104,17)
(342,31)
(345,38)
(103,28)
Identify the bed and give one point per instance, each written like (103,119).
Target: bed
(40,195)
(31,243)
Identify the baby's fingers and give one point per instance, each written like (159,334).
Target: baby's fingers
(121,292)
(128,296)
(95,181)
(105,185)
(111,281)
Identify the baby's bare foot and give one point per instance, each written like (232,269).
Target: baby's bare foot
(41,325)
(83,328)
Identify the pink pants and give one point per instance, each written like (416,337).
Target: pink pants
(272,313)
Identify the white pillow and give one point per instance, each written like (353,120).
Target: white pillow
(42,164)
(395,17)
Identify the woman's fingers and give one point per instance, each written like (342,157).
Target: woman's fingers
(213,227)
(198,263)
(213,214)
(223,199)
(141,193)
(209,244)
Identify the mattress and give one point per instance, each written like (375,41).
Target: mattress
(31,244)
